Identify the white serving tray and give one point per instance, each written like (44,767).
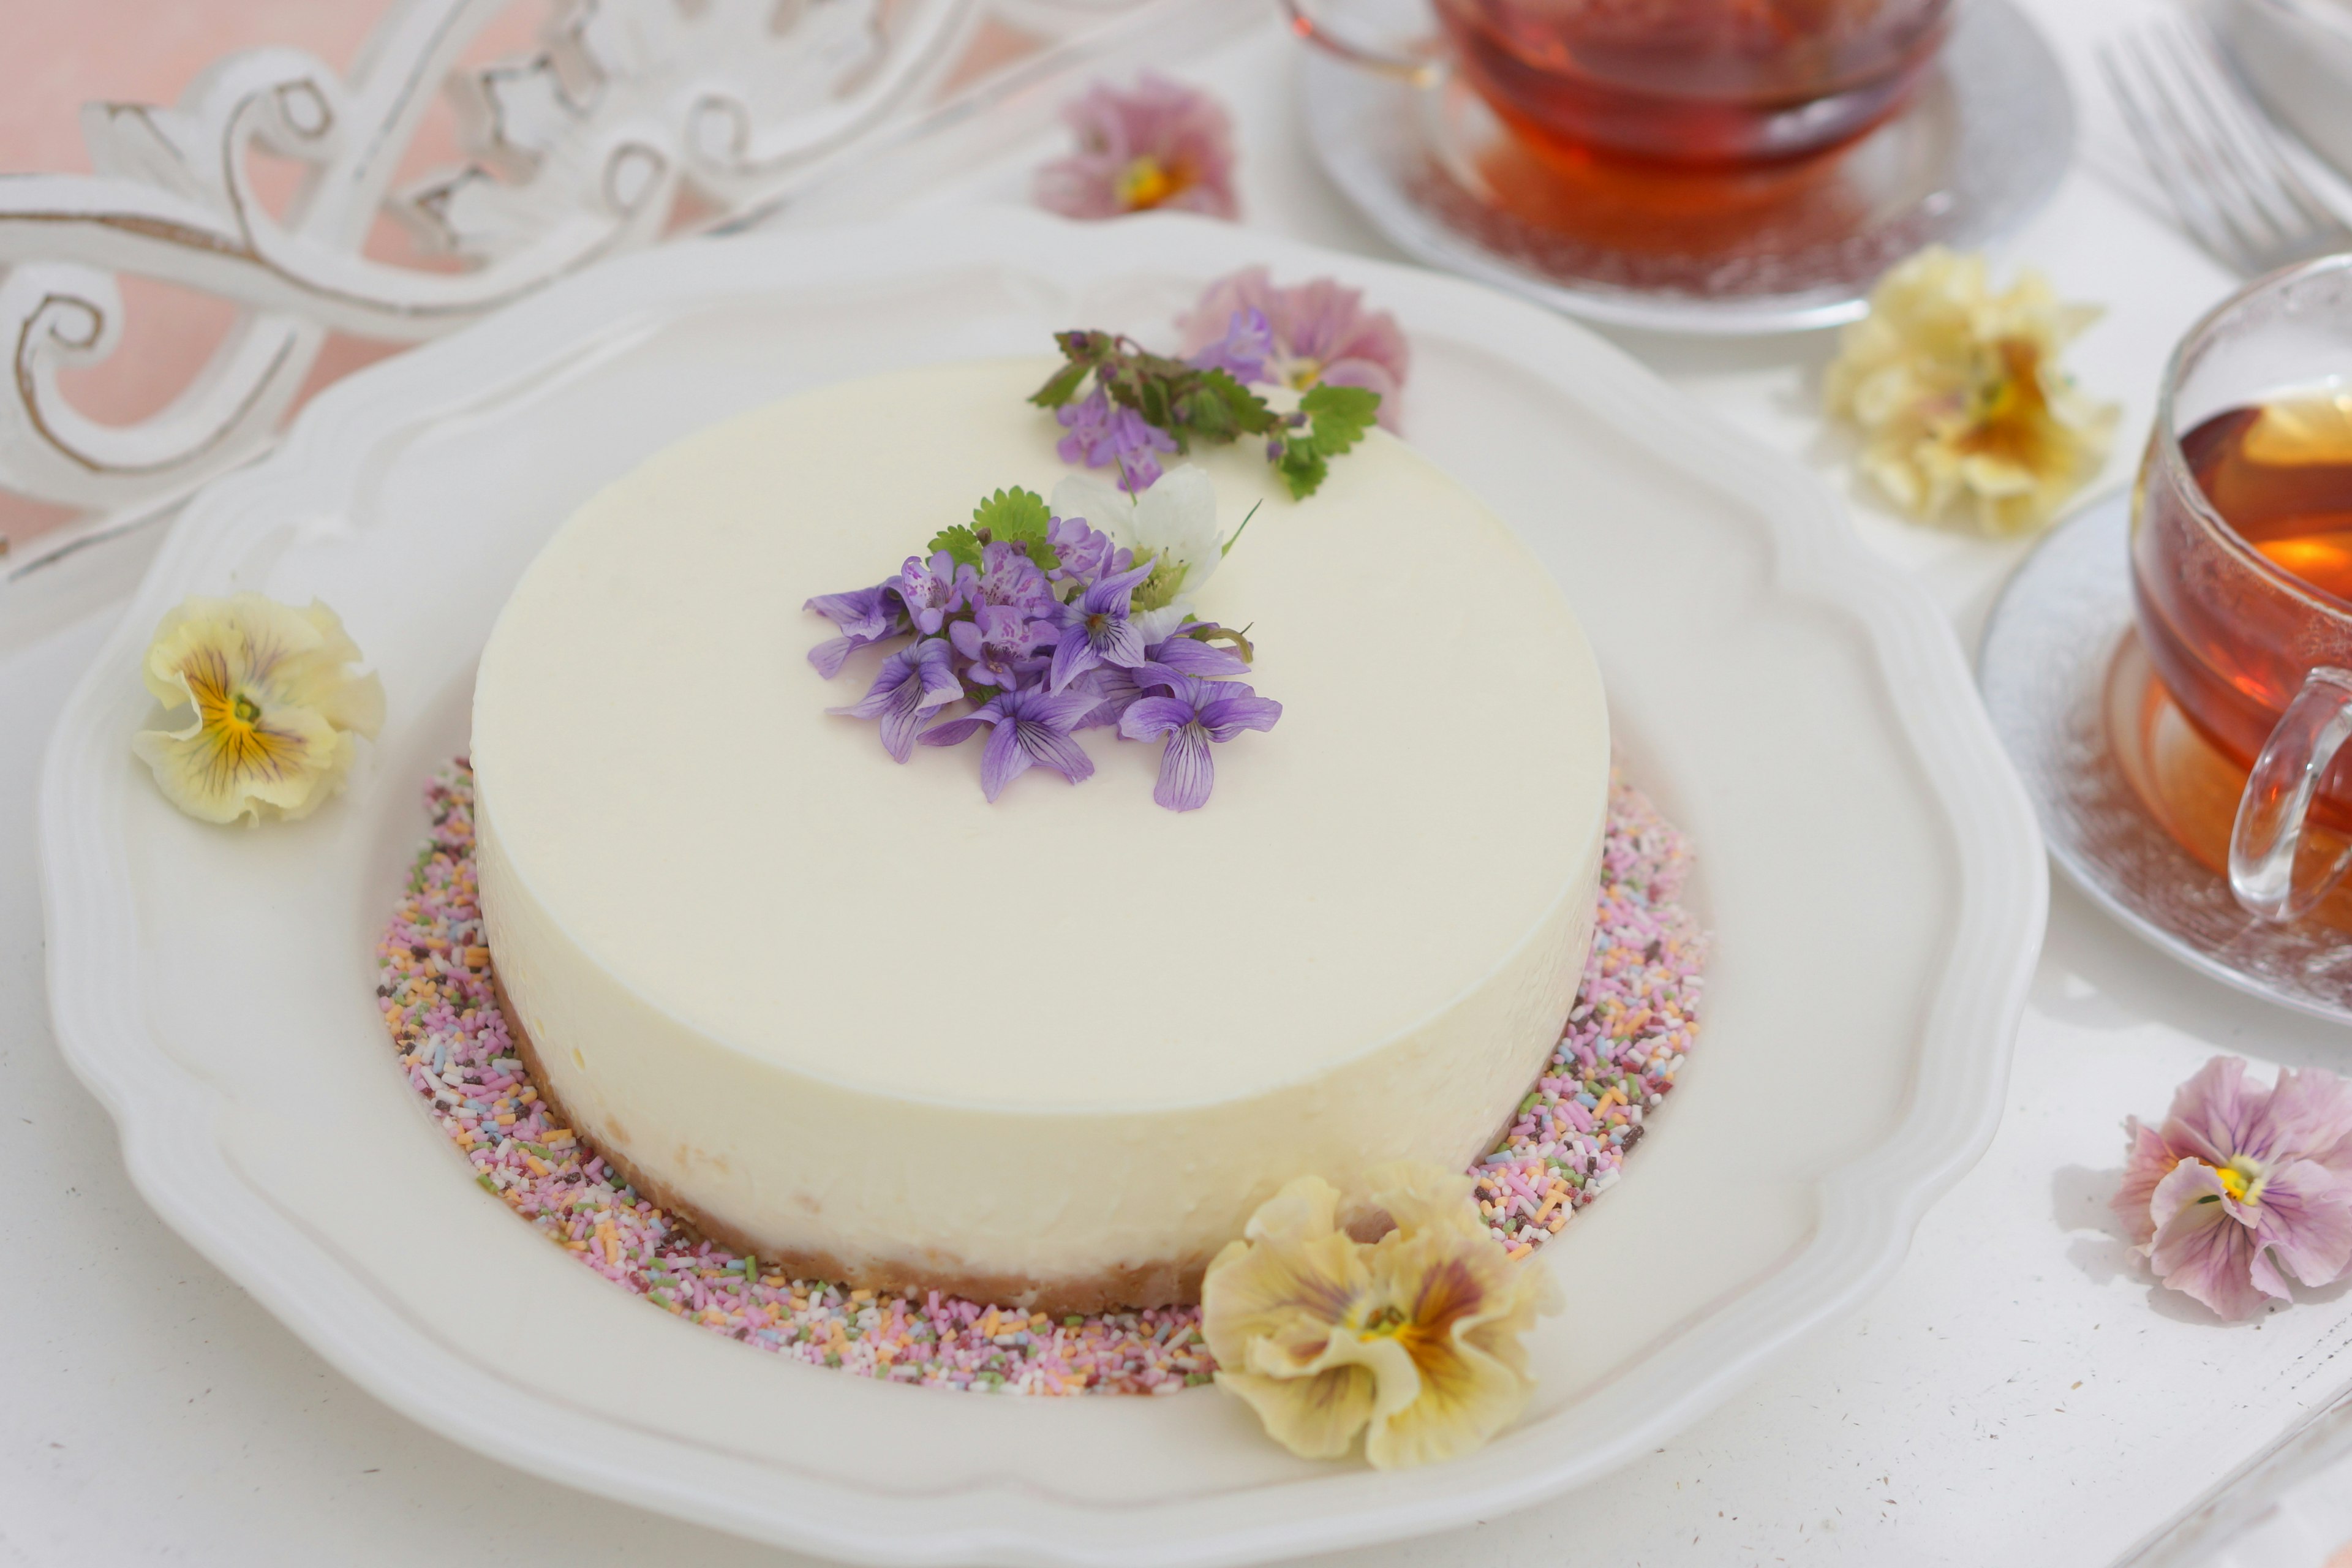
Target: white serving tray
(1869,865)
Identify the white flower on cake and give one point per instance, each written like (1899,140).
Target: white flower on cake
(1412,1340)
(272,707)
(1960,398)
(1174,521)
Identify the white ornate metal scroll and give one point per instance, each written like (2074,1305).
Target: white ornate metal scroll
(577,151)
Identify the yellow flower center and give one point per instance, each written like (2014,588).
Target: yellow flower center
(2242,1179)
(1305,373)
(2008,416)
(1147,183)
(234,743)
(1385,1324)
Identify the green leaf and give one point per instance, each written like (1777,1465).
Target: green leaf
(1251,413)
(1015,514)
(1341,414)
(1302,467)
(1206,415)
(1062,385)
(961,544)
(1018,517)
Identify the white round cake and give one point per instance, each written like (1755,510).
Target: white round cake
(1050,1051)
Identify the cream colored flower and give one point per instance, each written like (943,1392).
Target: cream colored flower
(1412,1340)
(1174,522)
(274,709)
(1960,398)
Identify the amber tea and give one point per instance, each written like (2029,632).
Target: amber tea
(1704,82)
(2279,474)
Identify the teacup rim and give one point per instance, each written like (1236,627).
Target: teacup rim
(2172,462)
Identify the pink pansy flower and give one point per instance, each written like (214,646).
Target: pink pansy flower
(1321,332)
(1159,145)
(2242,1185)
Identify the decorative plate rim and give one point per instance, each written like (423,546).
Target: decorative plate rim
(1868,1207)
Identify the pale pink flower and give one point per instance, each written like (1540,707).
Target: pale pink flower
(2242,1182)
(1159,145)
(1321,333)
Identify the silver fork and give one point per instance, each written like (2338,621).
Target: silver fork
(2213,150)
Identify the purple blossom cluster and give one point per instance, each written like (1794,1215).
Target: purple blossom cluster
(1038,638)
(1101,431)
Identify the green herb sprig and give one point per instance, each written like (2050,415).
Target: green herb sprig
(1189,403)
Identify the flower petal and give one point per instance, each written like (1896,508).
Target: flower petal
(1150,716)
(904,716)
(1099,503)
(2202,1248)
(1073,657)
(2305,1224)
(1467,1393)
(2150,1160)
(1189,656)
(2218,1114)
(954,731)
(1316,1417)
(1419,1196)
(1051,748)
(288,764)
(1225,717)
(2312,1110)
(1003,761)
(1187,772)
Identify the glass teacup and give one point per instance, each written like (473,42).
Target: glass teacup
(1706,83)
(2241,568)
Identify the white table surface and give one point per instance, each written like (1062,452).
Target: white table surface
(2019,1395)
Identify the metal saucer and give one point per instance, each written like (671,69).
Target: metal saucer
(2050,650)
(1983,145)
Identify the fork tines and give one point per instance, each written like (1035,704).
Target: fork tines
(2214,152)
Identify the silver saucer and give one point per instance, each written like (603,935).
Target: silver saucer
(2043,670)
(1981,148)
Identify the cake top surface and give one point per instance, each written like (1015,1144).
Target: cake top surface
(657,765)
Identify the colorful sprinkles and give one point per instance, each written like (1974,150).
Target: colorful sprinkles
(1636,1016)
(1633,1022)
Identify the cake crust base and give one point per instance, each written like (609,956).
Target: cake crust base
(1168,1284)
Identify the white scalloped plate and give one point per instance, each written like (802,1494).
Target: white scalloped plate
(1871,869)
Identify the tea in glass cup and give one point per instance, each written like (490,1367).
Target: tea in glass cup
(2241,568)
(1704,83)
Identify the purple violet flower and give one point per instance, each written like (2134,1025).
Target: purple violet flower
(1242,352)
(913,685)
(1086,554)
(1096,631)
(934,589)
(1114,690)
(997,643)
(865,616)
(1102,431)
(1031,727)
(1191,716)
(1186,655)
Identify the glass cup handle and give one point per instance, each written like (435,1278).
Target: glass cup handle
(2269,872)
(1421,72)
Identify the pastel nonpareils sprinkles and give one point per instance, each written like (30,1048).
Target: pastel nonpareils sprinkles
(1636,1016)
(1632,1024)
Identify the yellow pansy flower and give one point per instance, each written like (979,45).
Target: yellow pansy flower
(1959,397)
(1412,1340)
(273,708)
